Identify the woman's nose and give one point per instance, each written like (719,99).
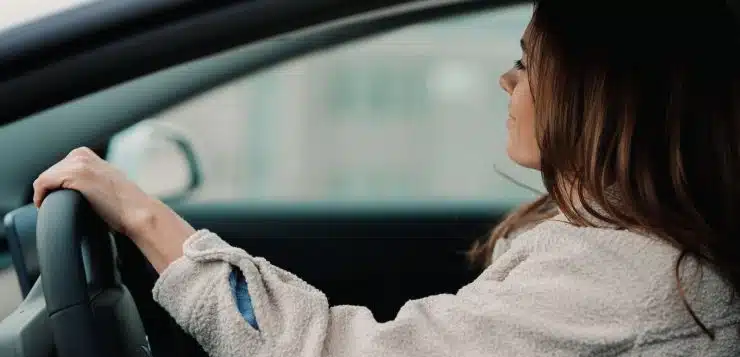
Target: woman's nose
(507,81)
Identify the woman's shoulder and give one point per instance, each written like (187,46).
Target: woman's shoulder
(620,273)
(623,255)
(558,234)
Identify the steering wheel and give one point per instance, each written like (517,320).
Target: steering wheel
(91,313)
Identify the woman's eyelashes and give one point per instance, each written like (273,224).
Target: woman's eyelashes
(519,65)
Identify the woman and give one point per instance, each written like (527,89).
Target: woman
(634,249)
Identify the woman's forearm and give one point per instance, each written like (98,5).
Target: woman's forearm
(159,232)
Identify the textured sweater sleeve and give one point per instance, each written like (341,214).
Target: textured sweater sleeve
(484,318)
(519,306)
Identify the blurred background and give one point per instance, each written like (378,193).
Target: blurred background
(412,117)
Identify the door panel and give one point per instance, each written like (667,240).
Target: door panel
(375,259)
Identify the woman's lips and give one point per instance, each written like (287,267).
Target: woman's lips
(510,121)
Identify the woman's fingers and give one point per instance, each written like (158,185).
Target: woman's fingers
(44,183)
(69,173)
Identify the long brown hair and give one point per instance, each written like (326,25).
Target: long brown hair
(643,100)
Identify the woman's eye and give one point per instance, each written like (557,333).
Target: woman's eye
(518,64)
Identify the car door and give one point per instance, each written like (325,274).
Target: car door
(365,155)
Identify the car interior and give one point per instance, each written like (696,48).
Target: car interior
(94,75)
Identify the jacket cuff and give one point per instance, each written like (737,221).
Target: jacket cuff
(195,290)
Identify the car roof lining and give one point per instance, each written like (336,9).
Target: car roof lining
(87,26)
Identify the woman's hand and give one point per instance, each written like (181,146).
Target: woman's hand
(118,201)
(157,230)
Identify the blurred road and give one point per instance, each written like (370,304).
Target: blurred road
(10,292)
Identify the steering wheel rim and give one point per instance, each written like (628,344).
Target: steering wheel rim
(77,266)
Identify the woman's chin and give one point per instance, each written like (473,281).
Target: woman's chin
(512,153)
(521,159)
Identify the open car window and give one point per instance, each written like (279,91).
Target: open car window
(415,115)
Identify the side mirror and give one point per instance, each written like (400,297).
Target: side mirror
(158,158)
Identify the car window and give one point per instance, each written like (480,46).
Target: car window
(18,12)
(412,115)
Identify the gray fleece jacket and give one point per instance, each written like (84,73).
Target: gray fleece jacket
(553,290)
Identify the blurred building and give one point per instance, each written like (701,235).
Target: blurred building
(417,114)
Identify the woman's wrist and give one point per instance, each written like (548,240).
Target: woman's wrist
(159,232)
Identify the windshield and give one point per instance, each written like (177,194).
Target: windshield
(18,12)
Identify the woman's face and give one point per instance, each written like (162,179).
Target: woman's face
(522,143)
